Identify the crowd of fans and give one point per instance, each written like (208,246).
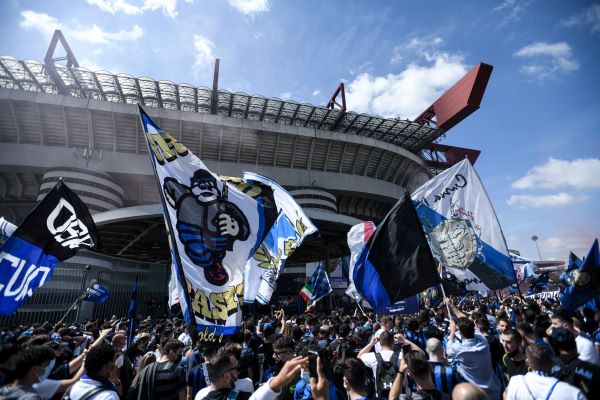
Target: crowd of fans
(485,349)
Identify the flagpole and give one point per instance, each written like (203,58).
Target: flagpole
(443,291)
(192,318)
(68,311)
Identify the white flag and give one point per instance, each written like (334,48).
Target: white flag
(463,230)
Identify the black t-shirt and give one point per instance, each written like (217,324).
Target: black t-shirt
(514,367)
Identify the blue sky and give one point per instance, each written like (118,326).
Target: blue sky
(538,127)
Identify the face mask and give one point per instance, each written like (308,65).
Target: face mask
(47,371)
(322,343)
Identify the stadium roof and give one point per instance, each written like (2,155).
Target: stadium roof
(107,86)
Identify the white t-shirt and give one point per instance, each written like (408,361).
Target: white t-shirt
(186,339)
(241,385)
(587,350)
(534,386)
(83,386)
(370,361)
(47,388)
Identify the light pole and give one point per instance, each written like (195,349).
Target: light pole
(535,239)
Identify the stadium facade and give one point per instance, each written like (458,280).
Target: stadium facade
(67,122)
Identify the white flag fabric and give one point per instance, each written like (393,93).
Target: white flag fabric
(358,236)
(173,289)
(216,228)
(463,230)
(6,229)
(286,235)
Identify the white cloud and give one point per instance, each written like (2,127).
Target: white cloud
(551,200)
(548,59)
(559,245)
(250,7)
(581,173)
(513,9)
(590,16)
(408,93)
(204,55)
(424,47)
(168,7)
(285,96)
(316,93)
(46,25)
(96,35)
(116,6)
(39,22)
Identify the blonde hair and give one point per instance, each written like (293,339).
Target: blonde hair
(149,358)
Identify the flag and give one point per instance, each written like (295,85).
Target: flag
(214,229)
(173,289)
(409,305)
(132,312)
(357,238)
(463,229)
(396,263)
(56,228)
(96,293)
(585,284)
(6,229)
(316,288)
(434,296)
(574,262)
(285,236)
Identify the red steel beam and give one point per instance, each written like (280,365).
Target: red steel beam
(460,101)
(442,156)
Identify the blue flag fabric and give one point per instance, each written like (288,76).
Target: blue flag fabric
(317,287)
(58,226)
(585,284)
(96,293)
(132,312)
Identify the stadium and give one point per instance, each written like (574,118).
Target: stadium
(64,121)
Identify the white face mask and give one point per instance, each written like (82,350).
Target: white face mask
(119,361)
(47,371)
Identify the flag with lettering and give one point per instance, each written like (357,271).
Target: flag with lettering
(97,293)
(316,288)
(54,231)
(214,229)
(463,230)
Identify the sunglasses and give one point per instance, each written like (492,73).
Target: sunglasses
(236,368)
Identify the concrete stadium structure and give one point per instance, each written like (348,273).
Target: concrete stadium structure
(68,122)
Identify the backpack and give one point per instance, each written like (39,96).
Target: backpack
(87,395)
(386,373)
(342,349)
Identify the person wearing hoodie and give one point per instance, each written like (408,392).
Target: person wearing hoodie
(33,365)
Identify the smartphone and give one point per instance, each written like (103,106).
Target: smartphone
(312,364)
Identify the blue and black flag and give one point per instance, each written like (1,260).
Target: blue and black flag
(132,312)
(396,263)
(56,228)
(585,283)
(96,293)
